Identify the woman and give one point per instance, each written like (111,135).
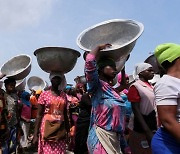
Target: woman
(82,125)
(141,96)
(52,111)
(13,114)
(167,92)
(108,109)
(25,118)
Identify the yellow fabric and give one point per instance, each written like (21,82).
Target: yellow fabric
(38,92)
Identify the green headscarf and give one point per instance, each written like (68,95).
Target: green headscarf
(167,52)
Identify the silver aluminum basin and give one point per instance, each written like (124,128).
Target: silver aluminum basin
(56,59)
(17,67)
(120,33)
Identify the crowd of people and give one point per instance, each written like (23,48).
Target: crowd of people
(98,116)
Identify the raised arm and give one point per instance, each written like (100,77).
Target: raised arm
(91,71)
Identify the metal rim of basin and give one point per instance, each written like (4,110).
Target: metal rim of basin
(141,26)
(10,75)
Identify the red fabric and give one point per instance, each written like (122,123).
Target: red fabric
(133,95)
(148,84)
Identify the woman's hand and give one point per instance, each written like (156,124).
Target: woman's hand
(99,48)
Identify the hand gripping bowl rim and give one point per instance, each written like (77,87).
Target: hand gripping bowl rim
(78,53)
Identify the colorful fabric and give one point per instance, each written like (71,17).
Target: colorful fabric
(108,108)
(54,108)
(34,108)
(12,141)
(12,102)
(163,142)
(119,77)
(133,94)
(167,51)
(24,99)
(38,92)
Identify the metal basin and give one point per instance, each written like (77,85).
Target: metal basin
(20,84)
(56,59)
(18,67)
(121,34)
(36,83)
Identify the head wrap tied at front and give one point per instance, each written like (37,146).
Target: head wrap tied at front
(62,76)
(140,67)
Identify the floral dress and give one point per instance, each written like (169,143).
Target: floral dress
(55,104)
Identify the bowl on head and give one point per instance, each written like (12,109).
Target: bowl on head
(18,67)
(120,33)
(20,84)
(56,59)
(36,83)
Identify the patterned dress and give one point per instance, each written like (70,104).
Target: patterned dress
(56,104)
(108,108)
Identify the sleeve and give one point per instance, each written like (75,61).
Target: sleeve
(91,73)
(41,99)
(133,95)
(165,94)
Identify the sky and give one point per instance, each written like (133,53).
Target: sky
(28,25)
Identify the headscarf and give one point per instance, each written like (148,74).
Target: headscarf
(103,62)
(62,76)
(38,92)
(24,98)
(68,87)
(167,52)
(140,67)
(119,77)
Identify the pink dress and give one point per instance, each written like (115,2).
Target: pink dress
(56,105)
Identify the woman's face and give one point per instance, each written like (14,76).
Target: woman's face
(10,87)
(109,72)
(56,81)
(148,74)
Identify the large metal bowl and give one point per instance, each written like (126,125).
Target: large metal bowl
(56,59)
(120,33)
(36,83)
(20,84)
(18,67)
